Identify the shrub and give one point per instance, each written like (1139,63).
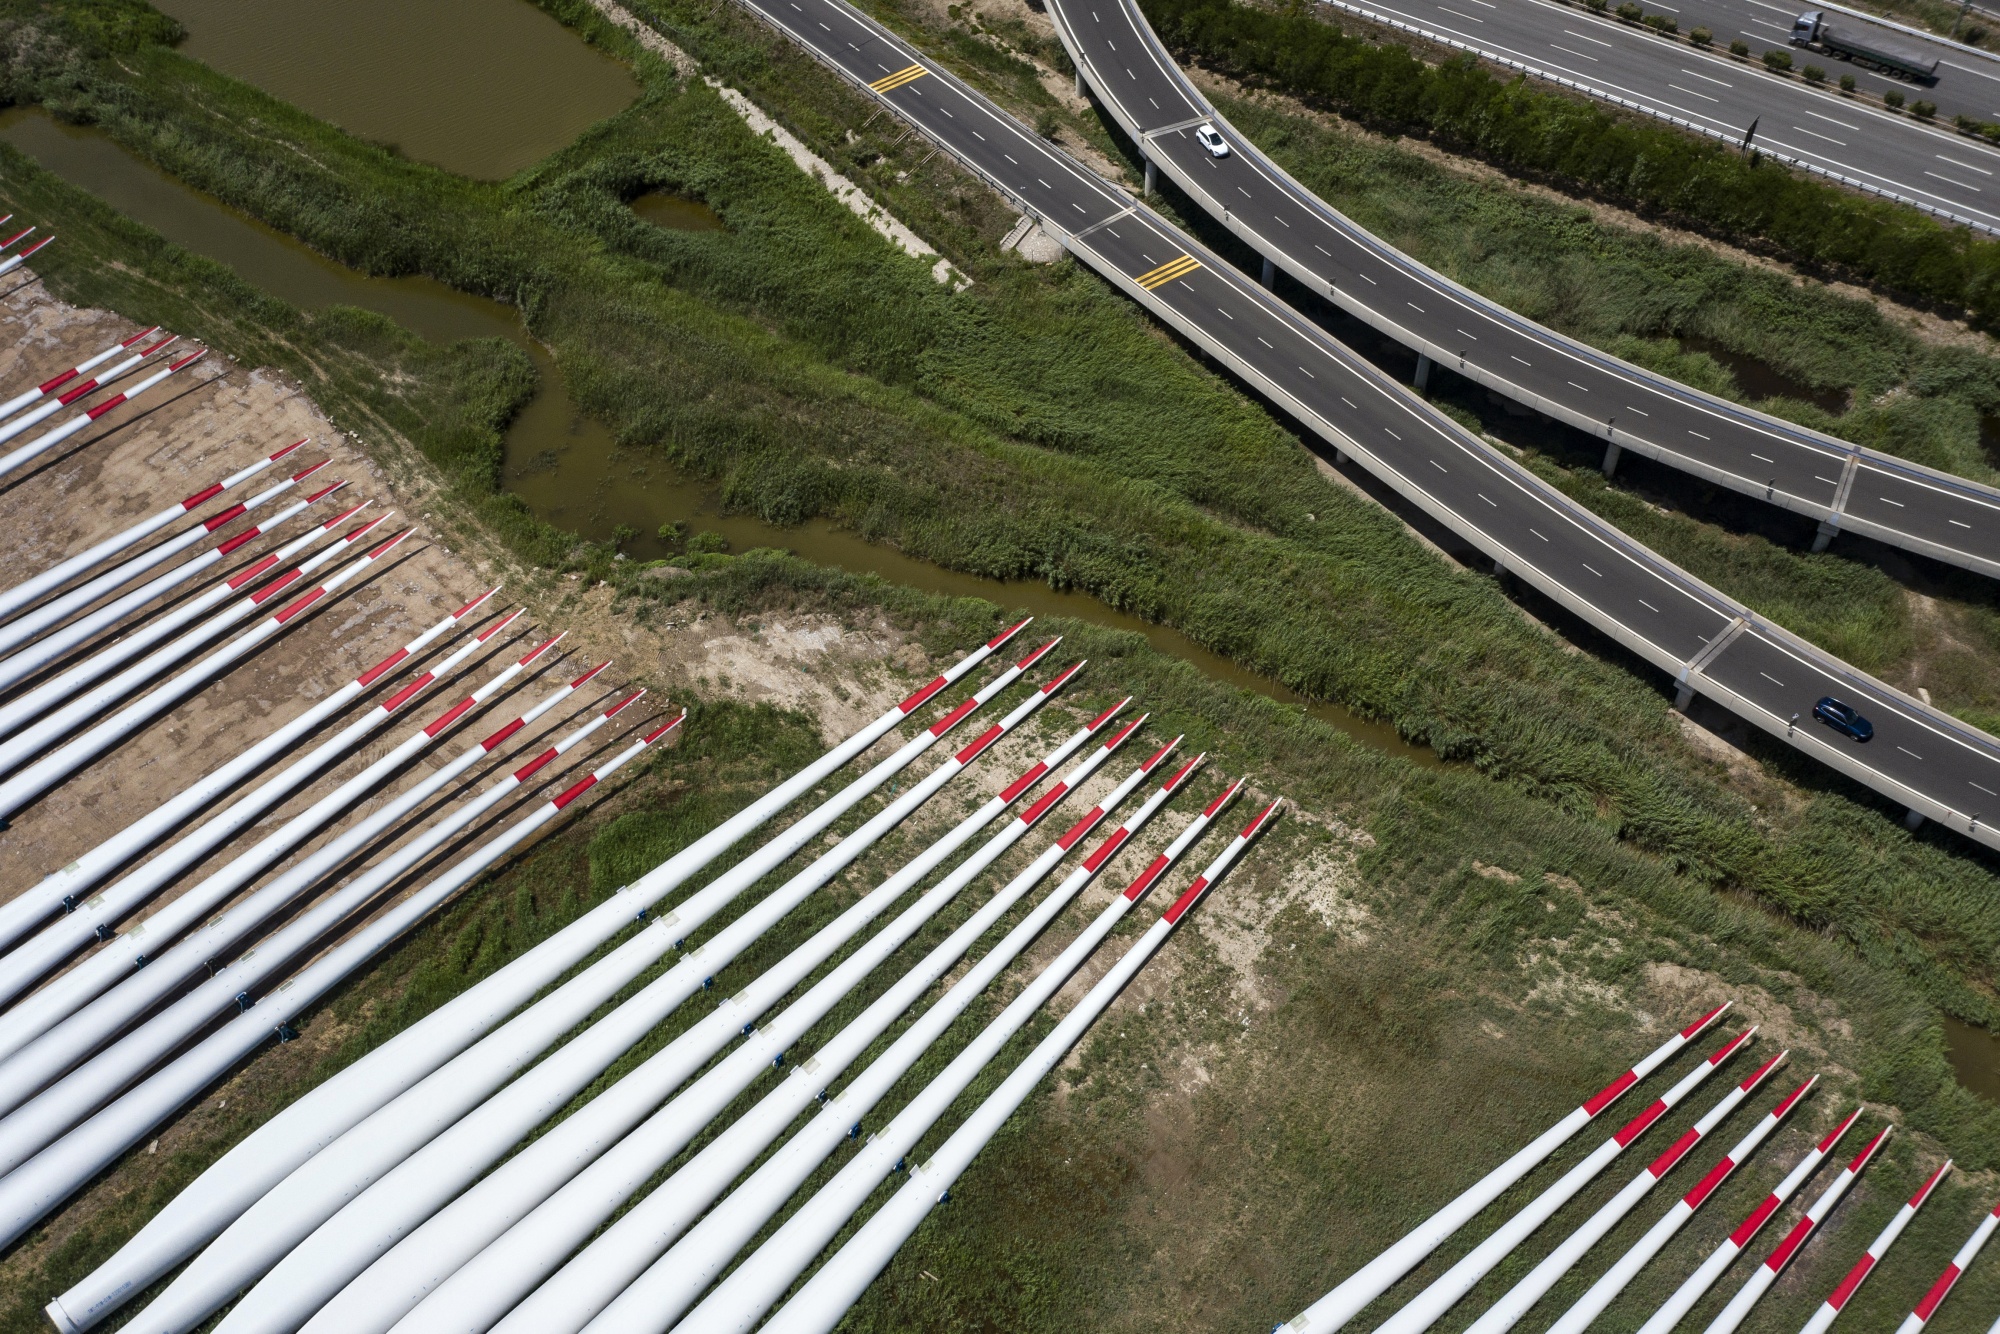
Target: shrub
(1973,36)
(1630,12)
(1740,49)
(1847,83)
(706,544)
(1923,110)
(1597,6)
(1893,99)
(1660,23)
(1778,62)
(1046,123)
(1701,37)
(1814,74)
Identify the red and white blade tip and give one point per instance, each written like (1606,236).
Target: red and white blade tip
(460,614)
(188,360)
(1224,796)
(37,246)
(587,675)
(1108,714)
(326,491)
(1179,776)
(350,512)
(1833,1135)
(541,648)
(387,546)
(292,448)
(1729,1048)
(1694,1029)
(168,341)
(1160,754)
(16,236)
(613,711)
(1791,1100)
(499,625)
(662,730)
(1756,1077)
(1868,1149)
(1117,738)
(309,470)
(143,333)
(1924,1191)
(1007,634)
(1060,679)
(1261,818)
(1037,655)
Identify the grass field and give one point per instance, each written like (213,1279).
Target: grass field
(1498,925)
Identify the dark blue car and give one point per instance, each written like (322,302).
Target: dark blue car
(1843,718)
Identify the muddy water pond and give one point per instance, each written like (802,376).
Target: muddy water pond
(1760,379)
(479,87)
(677,214)
(1975,1057)
(564,464)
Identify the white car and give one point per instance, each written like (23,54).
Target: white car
(1208,138)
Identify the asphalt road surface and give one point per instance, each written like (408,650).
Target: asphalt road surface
(1928,166)
(1919,757)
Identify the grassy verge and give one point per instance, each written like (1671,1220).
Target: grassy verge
(1249,1123)
(1034,426)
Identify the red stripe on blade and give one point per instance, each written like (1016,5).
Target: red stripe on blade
(375,673)
(1007,634)
(1706,1186)
(1851,1282)
(490,742)
(1695,1028)
(954,718)
(1105,849)
(1676,1151)
(1641,1123)
(1187,900)
(233,512)
(985,739)
(1610,1093)
(521,774)
(1022,784)
(300,606)
(1137,889)
(450,716)
(266,563)
(1939,1290)
(1091,819)
(202,497)
(1750,1226)
(575,792)
(62,379)
(407,693)
(917,700)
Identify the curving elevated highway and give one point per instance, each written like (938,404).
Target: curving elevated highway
(1846,487)
(1921,758)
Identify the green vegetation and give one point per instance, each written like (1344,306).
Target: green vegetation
(1492,925)
(1032,427)
(1524,129)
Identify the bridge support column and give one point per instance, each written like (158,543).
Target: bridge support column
(1152,178)
(1270,276)
(1683,697)
(1340,457)
(1423,378)
(1823,538)
(1913,819)
(1612,453)
(1081,91)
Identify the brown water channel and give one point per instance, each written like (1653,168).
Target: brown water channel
(565,465)
(479,87)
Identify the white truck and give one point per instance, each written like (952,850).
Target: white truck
(1865,44)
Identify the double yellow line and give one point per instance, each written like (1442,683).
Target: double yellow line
(908,74)
(1178,267)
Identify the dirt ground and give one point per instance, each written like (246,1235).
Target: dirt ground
(219,417)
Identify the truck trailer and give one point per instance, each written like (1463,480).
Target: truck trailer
(1865,45)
